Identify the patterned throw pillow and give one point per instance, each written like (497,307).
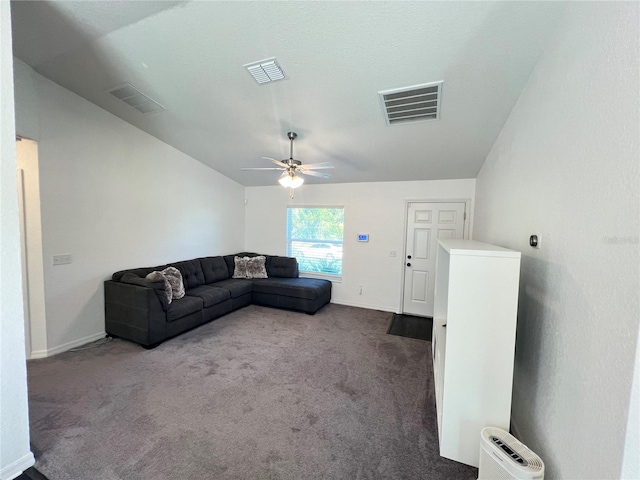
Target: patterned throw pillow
(156,276)
(256,267)
(240,270)
(175,279)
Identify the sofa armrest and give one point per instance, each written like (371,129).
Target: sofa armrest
(134,312)
(156,285)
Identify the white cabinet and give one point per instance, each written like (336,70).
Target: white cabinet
(474,328)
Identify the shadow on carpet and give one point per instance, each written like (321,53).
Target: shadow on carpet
(411,326)
(31,474)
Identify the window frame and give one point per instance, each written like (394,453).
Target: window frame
(336,278)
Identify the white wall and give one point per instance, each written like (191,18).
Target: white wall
(566,165)
(15,455)
(374,208)
(113,197)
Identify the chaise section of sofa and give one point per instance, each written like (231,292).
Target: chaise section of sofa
(137,309)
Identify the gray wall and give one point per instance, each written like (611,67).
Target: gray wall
(566,165)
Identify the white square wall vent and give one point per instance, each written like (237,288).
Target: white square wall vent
(135,98)
(265,71)
(418,103)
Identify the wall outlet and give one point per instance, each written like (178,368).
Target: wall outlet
(61,259)
(392,253)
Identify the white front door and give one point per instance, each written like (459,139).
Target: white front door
(426,224)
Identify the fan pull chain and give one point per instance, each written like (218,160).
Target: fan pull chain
(291,193)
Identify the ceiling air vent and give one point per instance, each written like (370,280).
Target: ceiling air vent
(265,71)
(135,98)
(419,103)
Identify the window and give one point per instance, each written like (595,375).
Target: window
(314,237)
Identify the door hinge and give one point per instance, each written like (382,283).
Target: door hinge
(465,216)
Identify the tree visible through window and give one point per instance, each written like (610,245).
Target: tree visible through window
(314,237)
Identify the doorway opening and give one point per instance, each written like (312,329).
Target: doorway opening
(28,178)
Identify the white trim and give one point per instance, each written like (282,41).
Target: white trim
(66,346)
(16,468)
(466,232)
(362,305)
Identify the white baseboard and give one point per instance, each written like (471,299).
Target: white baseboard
(363,305)
(65,346)
(16,468)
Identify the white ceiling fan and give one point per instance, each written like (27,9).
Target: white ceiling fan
(290,167)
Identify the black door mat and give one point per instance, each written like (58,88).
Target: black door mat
(31,474)
(410,326)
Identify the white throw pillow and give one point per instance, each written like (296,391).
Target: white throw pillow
(256,267)
(175,279)
(240,270)
(155,276)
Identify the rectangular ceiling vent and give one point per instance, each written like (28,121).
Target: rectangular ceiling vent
(265,71)
(136,99)
(419,103)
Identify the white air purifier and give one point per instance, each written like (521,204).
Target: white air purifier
(503,457)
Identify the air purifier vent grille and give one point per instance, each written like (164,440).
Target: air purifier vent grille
(503,457)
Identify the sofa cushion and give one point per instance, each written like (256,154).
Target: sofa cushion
(240,269)
(285,267)
(214,269)
(309,288)
(256,267)
(229,260)
(236,286)
(157,276)
(192,274)
(183,306)
(173,275)
(210,295)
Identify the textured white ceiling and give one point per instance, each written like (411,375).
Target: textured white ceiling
(188,56)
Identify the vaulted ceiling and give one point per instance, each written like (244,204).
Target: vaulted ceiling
(337,56)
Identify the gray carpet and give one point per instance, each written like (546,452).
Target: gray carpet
(258,394)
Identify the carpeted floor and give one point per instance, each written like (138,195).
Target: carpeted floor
(258,394)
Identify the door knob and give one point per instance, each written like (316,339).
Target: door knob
(408,264)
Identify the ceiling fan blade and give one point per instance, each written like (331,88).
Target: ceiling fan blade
(313,173)
(316,166)
(263,168)
(273,160)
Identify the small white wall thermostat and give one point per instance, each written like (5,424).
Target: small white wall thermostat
(363,237)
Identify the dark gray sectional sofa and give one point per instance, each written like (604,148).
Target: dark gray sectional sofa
(137,309)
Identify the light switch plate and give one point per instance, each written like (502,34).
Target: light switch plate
(61,259)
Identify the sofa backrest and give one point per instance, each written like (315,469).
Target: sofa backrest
(214,269)
(141,272)
(283,267)
(192,274)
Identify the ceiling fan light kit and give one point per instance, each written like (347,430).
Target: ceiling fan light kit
(290,180)
(291,167)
